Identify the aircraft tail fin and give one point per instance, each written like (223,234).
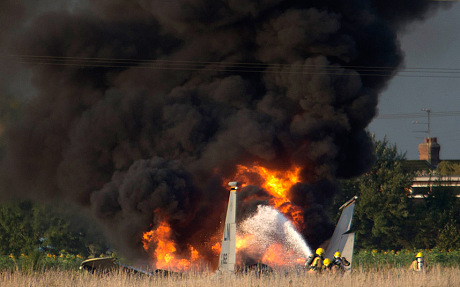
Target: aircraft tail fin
(341,240)
(347,251)
(227,257)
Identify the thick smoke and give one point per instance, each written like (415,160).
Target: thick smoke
(274,82)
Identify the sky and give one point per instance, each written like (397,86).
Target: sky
(432,43)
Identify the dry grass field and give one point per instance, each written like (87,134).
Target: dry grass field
(384,277)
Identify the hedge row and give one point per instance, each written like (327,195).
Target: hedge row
(39,262)
(375,258)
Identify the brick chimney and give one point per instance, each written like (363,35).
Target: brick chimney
(429,151)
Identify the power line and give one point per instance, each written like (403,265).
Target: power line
(243,67)
(418,115)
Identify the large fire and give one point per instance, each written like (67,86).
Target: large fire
(159,241)
(277,183)
(165,253)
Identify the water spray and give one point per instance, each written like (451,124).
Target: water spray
(267,227)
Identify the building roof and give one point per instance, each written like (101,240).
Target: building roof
(422,166)
(417,165)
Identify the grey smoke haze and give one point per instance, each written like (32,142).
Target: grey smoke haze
(124,141)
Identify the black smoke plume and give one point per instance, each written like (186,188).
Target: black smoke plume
(143,106)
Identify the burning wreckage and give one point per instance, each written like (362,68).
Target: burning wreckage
(138,111)
(341,241)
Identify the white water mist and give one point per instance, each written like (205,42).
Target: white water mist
(268,226)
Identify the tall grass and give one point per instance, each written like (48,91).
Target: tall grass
(437,276)
(403,258)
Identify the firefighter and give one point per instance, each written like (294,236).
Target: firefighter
(315,261)
(318,264)
(327,265)
(418,264)
(339,262)
(311,258)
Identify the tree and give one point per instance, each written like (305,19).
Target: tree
(449,236)
(438,218)
(16,232)
(27,227)
(448,168)
(383,218)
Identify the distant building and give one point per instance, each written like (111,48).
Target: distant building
(429,151)
(426,175)
(421,185)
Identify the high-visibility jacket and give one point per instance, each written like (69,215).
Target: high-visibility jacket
(317,263)
(417,264)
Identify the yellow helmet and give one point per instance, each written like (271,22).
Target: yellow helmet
(419,254)
(337,254)
(320,251)
(327,261)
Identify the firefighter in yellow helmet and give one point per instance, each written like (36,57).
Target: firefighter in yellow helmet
(327,264)
(315,261)
(418,264)
(339,263)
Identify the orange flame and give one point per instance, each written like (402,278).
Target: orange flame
(243,241)
(216,248)
(272,254)
(159,242)
(277,183)
(165,256)
(276,255)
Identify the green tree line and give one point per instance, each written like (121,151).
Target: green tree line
(28,228)
(387,218)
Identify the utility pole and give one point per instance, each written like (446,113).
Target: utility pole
(428,111)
